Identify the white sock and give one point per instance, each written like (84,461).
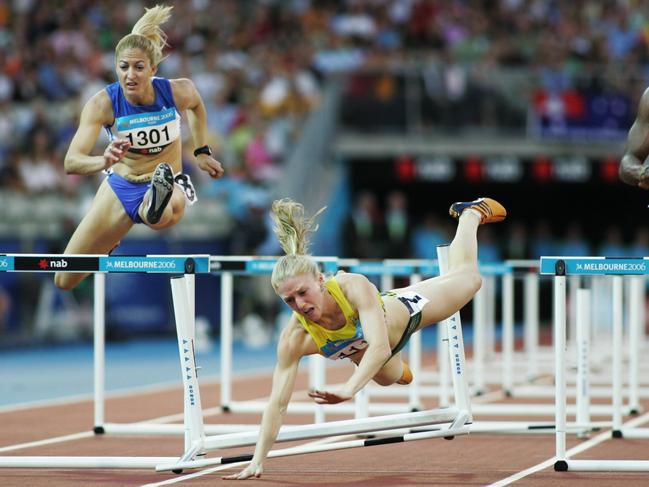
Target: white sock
(475,212)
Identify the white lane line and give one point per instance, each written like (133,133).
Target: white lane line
(48,441)
(602,437)
(207,380)
(88,434)
(218,468)
(62,401)
(115,394)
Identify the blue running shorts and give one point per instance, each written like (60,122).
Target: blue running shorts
(130,194)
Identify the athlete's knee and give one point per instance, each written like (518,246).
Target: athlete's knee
(168,220)
(384,381)
(474,280)
(471,280)
(173,213)
(64,281)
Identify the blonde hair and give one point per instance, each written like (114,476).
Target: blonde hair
(292,229)
(147,35)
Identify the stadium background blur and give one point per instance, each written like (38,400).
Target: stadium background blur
(386,111)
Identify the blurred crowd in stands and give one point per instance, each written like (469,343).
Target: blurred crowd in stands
(249,60)
(378,229)
(261,67)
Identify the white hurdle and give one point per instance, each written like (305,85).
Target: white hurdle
(561,267)
(100,265)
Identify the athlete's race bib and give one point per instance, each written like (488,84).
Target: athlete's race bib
(413,301)
(149,133)
(343,348)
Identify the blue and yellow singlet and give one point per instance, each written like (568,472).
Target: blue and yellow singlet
(345,341)
(348,339)
(149,128)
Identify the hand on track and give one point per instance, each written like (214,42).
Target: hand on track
(250,471)
(325,397)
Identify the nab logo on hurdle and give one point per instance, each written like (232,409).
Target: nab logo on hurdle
(45,264)
(55,263)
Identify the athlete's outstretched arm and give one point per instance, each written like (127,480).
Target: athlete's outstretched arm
(96,112)
(289,352)
(634,169)
(187,97)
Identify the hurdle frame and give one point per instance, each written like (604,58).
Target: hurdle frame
(560,268)
(99,265)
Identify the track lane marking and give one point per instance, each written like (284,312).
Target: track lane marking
(48,441)
(606,435)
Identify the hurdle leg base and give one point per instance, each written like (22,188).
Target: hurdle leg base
(226,409)
(99,430)
(617,434)
(560,466)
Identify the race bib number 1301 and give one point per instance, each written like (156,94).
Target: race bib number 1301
(150,130)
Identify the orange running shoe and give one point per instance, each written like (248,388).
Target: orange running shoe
(490,210)
(406,376)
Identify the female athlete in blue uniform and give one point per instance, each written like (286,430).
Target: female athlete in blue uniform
(345,317)
(141,114)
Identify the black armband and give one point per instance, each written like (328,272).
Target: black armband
(203,150)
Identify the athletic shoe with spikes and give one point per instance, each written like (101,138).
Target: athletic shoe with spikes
(490,210)
(162,187)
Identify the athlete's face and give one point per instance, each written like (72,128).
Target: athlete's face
(134,72)
(304,294)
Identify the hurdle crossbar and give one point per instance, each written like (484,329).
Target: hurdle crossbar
(335,428)
(456,428)
(83,462)
(92,263)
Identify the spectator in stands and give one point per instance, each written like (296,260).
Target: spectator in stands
(516,244)
(397,224)
(427,236)
(574,242)
(640,245)
(489,247)
(542,241)
(613,243)
(10,173)
(364,231)
(145,154)
(38,169)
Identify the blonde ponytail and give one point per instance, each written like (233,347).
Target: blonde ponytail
(147,35)
(292,229)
